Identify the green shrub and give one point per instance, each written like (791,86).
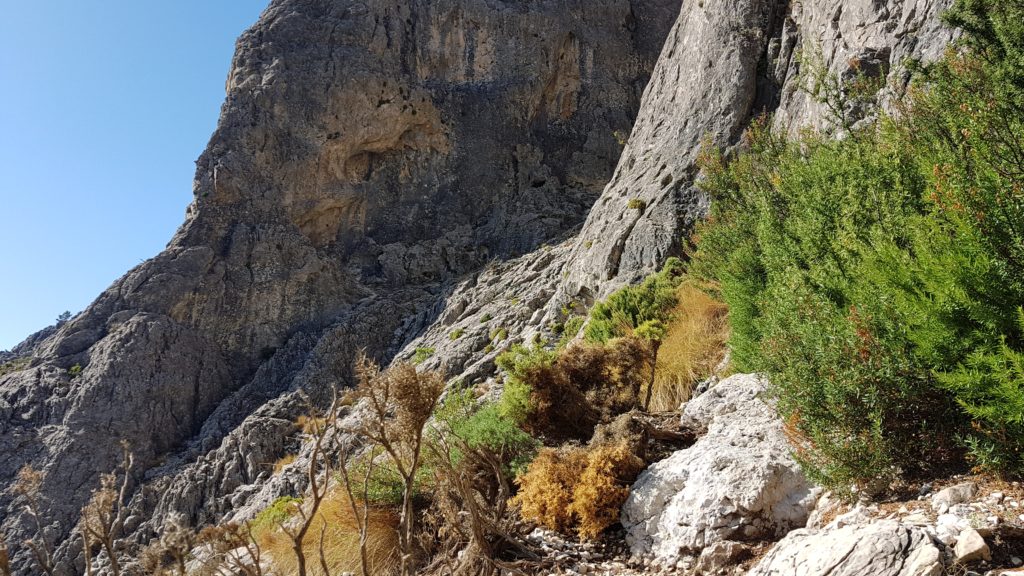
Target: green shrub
(278,512)
(563,394)
(485,318)
(627,309)
(636,204)
(422,354)
(570,329)
(489,427)
(498,335)
(878,279)
(519,362)
(385,484)
(75,371)
(14,365)
(456,334)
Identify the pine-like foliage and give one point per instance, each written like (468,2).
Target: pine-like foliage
(877,279)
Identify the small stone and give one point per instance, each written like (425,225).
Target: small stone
(1016,561)
(917,519)
(718,556)
(971,546)
(954,495)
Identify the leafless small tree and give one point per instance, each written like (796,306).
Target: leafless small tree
(319,473)
(176,542)
(28,487)
(103,516)
(235,549)
(399,403)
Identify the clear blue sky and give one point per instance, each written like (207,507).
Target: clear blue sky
(104,107)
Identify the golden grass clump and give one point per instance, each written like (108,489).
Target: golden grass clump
(284,461)
(310,424)
(578,489)
(340,533)
(694,344)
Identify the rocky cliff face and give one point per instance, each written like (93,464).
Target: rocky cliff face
(385,174)
(367,153)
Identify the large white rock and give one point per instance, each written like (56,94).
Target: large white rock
(738,481)
(885,548)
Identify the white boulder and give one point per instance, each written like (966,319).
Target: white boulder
(737,482)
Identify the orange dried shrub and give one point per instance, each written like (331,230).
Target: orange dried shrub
(284,462)
(578,489)
(546,488)
(603,487)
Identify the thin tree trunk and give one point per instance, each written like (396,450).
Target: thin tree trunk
(655,345)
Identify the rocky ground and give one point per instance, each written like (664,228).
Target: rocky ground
(757,517)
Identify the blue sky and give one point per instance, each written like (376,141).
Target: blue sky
(104,107)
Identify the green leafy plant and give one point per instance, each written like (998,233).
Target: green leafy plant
(636,204)
(278,512)
(456,334)
(422,354)
(878,279)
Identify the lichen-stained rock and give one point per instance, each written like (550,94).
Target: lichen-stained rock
(885,548)
(368,154)
(737,482)
(844,39)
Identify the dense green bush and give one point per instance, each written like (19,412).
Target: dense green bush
(626,310)
(422,355)
(487,427)
(877,279)
(277,513)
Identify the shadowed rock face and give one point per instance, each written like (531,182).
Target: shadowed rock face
(367,153)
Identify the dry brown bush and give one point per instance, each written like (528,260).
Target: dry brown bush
(233,548)
(310,424)
(168,554)
(578,489)
(546,488)
(283,462)
(585,385)
(694,344)
(5,557)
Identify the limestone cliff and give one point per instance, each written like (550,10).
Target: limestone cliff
(367,154)
(384,174)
